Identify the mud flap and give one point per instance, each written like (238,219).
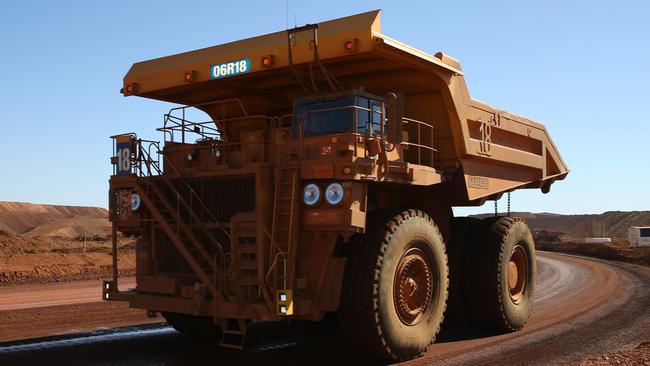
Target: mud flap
(331,282)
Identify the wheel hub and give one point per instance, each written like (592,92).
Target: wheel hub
(517,273)
(413,286)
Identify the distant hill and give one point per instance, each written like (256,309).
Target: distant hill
(40,221)
(35,220)
(615,223)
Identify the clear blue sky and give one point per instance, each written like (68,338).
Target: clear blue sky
(577,66)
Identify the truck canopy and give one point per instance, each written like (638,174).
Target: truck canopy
(494,151)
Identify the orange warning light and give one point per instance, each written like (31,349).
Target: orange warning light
(268,61)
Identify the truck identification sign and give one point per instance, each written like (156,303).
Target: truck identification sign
(123,157)
(230,68)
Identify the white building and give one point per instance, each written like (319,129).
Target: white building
(597,240)
(638,236)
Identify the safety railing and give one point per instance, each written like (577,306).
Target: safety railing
(422,142)
(420,133)
(176,128)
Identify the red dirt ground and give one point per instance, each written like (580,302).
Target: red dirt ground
(640,356)
(618,251)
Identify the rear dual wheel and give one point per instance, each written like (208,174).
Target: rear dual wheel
(500,282)
(457,251)
(396,287)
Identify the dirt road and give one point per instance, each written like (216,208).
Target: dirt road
(64,293)
(584,307)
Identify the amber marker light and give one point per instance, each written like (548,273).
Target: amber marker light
(131,88)
(267,61)
(347,170)
(350,45)
(190,76)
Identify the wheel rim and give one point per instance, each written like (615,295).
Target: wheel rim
(413,286)
(517,273)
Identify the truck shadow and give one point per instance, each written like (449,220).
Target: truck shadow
(287,343)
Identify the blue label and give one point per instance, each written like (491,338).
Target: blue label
(230,68)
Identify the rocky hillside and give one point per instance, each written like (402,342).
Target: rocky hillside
(35,220)
(614,223)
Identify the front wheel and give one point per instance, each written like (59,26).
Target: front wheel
(396,287)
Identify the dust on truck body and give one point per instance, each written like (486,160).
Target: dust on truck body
(323,182)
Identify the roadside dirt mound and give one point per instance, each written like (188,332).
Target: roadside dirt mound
(610,251)
(74,227)
(36,220)
(48,243)
(44,260)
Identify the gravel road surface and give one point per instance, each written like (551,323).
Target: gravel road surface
(583,308)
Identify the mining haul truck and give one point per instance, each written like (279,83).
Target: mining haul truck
(321,184)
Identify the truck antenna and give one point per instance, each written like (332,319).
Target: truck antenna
(287,13)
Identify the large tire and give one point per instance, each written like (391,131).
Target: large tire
(457,309)
(202,328)
(502,282)
(395,292)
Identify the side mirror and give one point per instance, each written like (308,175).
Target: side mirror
(395,114)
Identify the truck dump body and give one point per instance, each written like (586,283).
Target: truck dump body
(496,150)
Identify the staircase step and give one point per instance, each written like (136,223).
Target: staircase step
(232,331)
(233,340)
(247,281)
(244,224)
(246,249)
(245,263)
(247,232)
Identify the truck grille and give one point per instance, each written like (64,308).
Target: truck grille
(224,196)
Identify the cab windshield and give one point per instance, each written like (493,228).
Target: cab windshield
(346,114)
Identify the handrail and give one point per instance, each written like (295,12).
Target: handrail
(370,129)
(145,157)
(419,145)
(169,163)
(180,124)
(225,263)
(183,125)
(222,101)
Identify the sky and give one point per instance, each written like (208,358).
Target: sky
(579,67)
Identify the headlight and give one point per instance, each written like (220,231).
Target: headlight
(135,201)
(311,194)
(334,193)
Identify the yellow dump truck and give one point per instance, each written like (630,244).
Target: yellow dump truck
(322,181)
